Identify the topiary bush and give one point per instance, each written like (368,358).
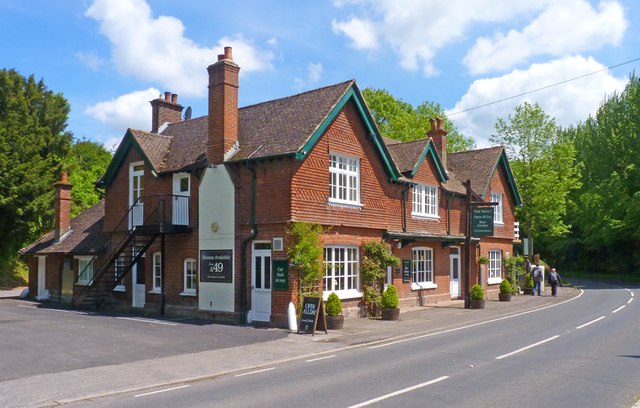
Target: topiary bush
(477,293)
(390,298)
(333,307)
(505,287)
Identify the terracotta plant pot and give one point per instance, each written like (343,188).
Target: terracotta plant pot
(335,322)
(391,314)
(476,304)
(504,297)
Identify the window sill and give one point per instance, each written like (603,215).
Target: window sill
(83,283)
(120,288)
(424,285)
(494,281)
(192,294)
(343,294)
(155,291)
(425,216)
(345,204)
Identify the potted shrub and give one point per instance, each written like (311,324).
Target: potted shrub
(333,309)
(389,303)
(505,291)
(528,284)
(477,297)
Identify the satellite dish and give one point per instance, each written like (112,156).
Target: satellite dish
(187,113)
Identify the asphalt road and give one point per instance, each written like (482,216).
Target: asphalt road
(579,353)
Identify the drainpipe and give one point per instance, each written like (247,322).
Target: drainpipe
(449,196)
(404,209)
(243,246)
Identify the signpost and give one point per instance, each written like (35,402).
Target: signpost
(312,316)
(482,222)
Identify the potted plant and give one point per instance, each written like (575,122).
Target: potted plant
(333,308)
(477,297)
(389,303)
(483,260)
(528,284)
(505,291)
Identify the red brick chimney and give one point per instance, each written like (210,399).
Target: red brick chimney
(165,110)
(223,107)
(439,137)
(62,207)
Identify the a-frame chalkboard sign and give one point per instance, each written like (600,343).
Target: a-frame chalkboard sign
(312,316)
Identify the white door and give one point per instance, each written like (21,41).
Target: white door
(137,281)
(136,187)
(454,274)
(41,275)
(180,200)
(261,282)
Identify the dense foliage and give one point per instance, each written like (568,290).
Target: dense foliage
(35,146)
(399,120)
(377,258)
(305,253)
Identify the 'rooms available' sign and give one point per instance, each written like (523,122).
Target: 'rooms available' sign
(216,266)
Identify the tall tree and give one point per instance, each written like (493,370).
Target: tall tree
(399,120)
(543,163)
(86,162)
(33,143)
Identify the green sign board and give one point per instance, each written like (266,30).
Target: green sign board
(482,222)
(281,274)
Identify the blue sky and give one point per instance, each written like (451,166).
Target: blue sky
(111,57)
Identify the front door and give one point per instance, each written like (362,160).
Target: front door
(180,201)
(261,282)
(137,280)
(136,188)
(454,275)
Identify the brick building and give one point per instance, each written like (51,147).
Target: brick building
(195,212)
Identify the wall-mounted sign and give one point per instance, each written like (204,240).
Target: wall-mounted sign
(482,222)
(216,266)
(280,274)
(406,271)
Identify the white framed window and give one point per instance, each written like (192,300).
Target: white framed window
(344,179)
(422,268)
(190,277)
(85,270)
(342,271)
(157,272)
(495,266)
(425,201)
(497,209)
(118,272)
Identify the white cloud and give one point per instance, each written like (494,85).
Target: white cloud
(417,29)
(90,59)
(132,110)
(314,75)
(568,103)
(565,27)
(156,50)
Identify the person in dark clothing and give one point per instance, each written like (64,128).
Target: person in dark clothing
(554,281)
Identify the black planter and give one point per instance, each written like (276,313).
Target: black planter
(528,291)
(391,314)
(476,304)
(504,297)
(335,322)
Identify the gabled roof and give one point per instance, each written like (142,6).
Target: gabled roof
(479,166)
(288,126)
(84,238)
(409,156)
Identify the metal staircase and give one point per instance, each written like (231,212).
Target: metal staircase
(126,244)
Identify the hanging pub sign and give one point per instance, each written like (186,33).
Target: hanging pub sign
(482,222)
(406,271)
(216,266)
(280,274)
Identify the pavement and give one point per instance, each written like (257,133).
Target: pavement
(60,388)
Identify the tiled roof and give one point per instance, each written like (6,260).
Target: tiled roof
(85,236)
(406,154)
(475,165)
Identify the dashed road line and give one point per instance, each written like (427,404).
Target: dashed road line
(619,309)
(320,358)
(527,347)
(399,392)
(255,372)
(159,391)
(591,322)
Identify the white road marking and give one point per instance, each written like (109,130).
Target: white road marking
(319,358)
(54,310)
(588,323)
(27,306)
(619,309)
(629,301)
(474,324)
(402,391)
(159,391)
(136,319)
(255,372)
(527,347)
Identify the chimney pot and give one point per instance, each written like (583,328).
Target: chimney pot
(228,54)
(63,178)
(174,98)
(167,95)
(433,123)
(439,123)
(220,57)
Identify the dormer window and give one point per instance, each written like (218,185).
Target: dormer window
(497,210)
(425,201)
(344,179)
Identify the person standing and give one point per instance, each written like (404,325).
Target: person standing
(536,274)
(554,281)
